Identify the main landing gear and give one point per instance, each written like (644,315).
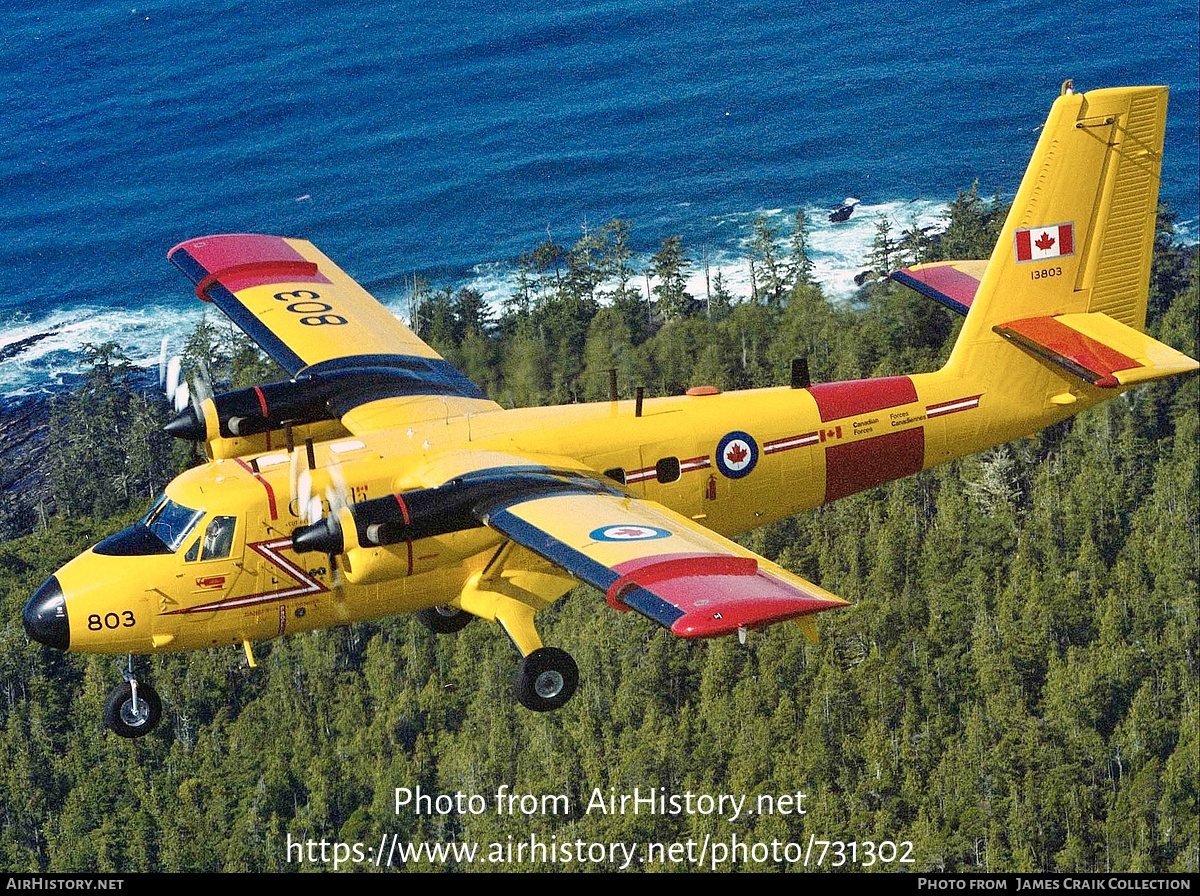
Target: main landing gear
(546,680)
(547,677)
(133,708)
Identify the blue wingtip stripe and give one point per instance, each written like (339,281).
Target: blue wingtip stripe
(275,347)
(929,292)
(651,605)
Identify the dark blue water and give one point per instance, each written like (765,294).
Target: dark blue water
(448,138)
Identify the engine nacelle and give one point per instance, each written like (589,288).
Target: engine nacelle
(254,411)
(406,534)
(318,394)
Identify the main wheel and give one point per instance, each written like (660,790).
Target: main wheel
(547,679)
(444,620)
(123,718)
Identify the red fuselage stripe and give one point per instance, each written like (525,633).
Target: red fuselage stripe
(266,485)
(837,401)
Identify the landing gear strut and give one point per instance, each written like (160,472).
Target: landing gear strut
(546,680)
(133,709)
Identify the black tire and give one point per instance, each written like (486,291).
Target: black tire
(119,714)
(444,620)
(547,679)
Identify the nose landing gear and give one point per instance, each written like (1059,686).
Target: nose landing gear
(133,708)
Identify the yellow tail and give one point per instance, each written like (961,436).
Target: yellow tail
(1059,317)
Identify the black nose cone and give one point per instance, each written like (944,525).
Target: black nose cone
(45,616)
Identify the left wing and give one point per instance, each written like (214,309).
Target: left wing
(648,558)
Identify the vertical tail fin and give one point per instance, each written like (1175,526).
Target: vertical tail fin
(1077,244)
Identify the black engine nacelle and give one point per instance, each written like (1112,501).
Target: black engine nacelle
(323,391)
(249,412)
(462,503)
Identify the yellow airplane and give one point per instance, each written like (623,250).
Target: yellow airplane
(379,480)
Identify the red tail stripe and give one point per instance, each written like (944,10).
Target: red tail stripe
(836,401)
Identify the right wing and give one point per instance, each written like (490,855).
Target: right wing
(640,554)
(313,319)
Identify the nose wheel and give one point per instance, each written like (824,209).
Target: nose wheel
(133,708)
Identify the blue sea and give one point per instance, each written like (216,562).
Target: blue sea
(446,139)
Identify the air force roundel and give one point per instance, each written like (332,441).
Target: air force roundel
(628,532)
(737,453)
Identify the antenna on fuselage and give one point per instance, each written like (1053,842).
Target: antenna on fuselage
(800,376)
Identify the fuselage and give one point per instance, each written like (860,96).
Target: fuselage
(227,573)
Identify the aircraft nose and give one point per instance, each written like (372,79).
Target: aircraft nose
(45,616)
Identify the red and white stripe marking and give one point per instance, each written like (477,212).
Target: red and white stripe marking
(632,477)
(269,550)
(790,442)
(952,407)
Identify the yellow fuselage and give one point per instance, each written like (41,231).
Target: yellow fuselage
(731,461)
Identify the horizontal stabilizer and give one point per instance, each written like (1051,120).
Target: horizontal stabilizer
(1100,350)
(952,283)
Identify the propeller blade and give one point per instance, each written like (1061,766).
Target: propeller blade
(181,397)
(304,497)
(202,388)
(162,363)
(337,493)
(171,380)
(314,508)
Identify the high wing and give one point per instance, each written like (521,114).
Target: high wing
(648,558)
(314,320)
(565,524)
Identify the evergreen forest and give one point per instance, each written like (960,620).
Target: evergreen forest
(1014,688)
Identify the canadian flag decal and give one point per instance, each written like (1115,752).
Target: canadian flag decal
(1040,243)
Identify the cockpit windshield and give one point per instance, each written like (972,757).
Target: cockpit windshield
(170,523)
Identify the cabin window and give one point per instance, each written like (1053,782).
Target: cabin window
(667,469)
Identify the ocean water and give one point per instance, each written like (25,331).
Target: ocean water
(447,139)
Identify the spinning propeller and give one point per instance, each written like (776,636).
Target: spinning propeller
(310,509)
(177,390)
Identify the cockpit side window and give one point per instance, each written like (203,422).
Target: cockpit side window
(218,538)
(216,542)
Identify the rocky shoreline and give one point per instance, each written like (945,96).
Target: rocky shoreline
(24,463)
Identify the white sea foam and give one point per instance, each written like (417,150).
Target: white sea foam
(838,252)
(52,360)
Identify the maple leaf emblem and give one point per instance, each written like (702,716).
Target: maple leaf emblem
(1044,242)
(736,453)
(626,533)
